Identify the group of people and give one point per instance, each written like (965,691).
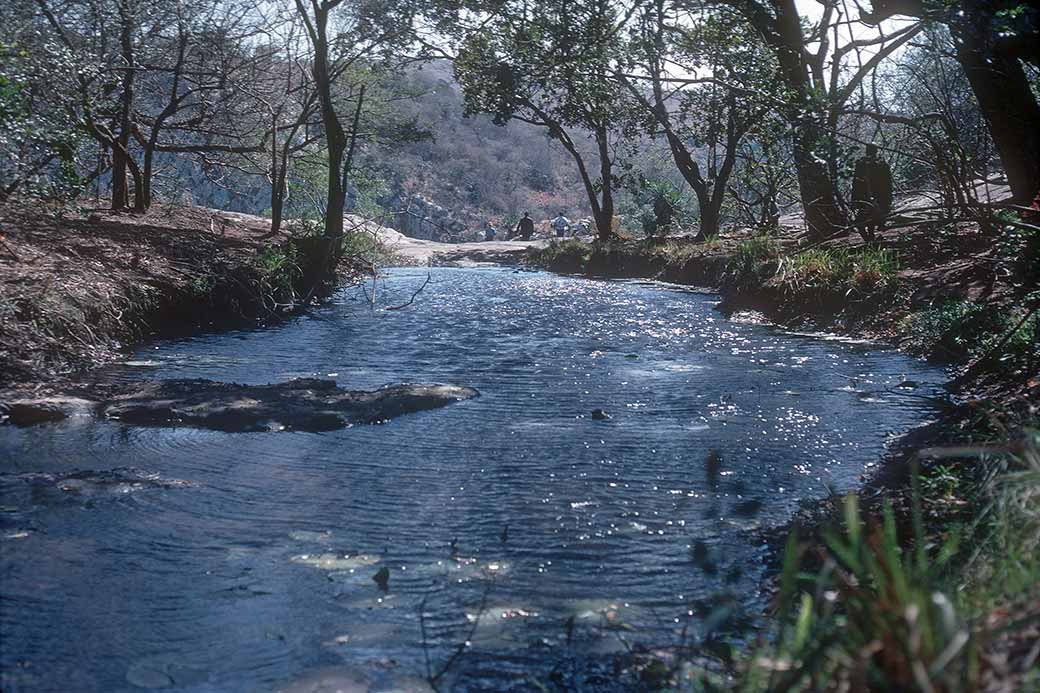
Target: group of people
(871,201)
(525,228)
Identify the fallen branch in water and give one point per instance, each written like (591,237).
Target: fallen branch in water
(417,292)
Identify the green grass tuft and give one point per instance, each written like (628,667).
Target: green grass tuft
(839,270)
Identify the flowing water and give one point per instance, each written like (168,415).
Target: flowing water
(207,561)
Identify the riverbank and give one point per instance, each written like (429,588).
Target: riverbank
(81,286)
(964,529)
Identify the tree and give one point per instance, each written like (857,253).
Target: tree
(763,183)
(822,65)
(172,69)
(108,67)
(992,38)
(197,88)
(550,63)
(340,40)
(714,113)
(36,132)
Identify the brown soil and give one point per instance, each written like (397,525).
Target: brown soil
(78,286)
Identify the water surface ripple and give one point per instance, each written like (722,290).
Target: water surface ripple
(208,561)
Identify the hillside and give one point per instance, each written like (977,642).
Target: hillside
(445,187)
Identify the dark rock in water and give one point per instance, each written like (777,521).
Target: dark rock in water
(748,508)
(600,415)
(382,578)
(28,412)
(303,404)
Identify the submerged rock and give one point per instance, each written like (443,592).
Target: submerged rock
(88,485)
(28,412)
(303,404)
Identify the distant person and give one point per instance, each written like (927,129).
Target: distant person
(490,232)
(524,227)
(871,194)
(662,213)
(561,224)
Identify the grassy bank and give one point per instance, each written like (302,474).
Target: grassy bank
(79,287)
(929,579)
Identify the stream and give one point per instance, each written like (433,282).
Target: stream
(138,558)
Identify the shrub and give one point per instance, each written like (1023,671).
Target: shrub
(960,331)
(279,271)
(752,261)
(840,270)
(570,255)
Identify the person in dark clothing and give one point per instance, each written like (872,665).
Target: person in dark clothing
(490,232)
(524,227)
(871,194)
(662,213)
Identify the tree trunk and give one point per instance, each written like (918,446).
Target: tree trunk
(120,154)
(1011,111)
(817,189)
(1001,87)
(605,218)
(334,206)
(120,190)
(138,178)
(144,199)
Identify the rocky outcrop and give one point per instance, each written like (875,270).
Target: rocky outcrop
(420,217)
(303,404)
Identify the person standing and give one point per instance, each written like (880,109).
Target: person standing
(524,227)
(871,194)
(662,213)
(561,224)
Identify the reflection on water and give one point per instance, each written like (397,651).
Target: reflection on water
(211,561)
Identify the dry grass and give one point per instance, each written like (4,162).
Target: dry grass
(76,285)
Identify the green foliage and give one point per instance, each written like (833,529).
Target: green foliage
(839,270)
(753,260)
(279,270)
(881,611)
(875,616)
(960,331)
(569,255)
(366,248)
(201,285)
(38,138)
(1018,248)
(650,202)
(550,63)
